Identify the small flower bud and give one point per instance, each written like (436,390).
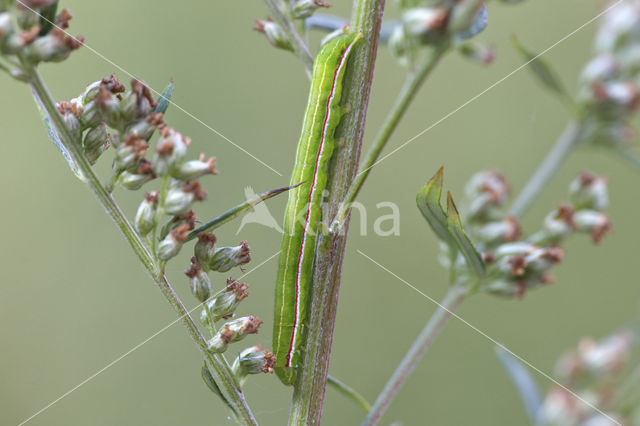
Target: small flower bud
(194,169)
(618,28)
(225,258)
(602,68)
(134,180)
(108,106)
(513,249)
(556,226)
(178,200)
(233,331)
(204,249)
(401,46)
(130,152)
(144,128)
(424,24)
(200,282)
(53,47)
(170,246)
(70,113)
(593,222)
(224,304)
(254,360)
(589,191)
(302,9)
(145,219)
(478,53)
(499,232)
(91,116)
(486,191)
(6,27)
(96,137)
(170,150)
(614,99)
(273,33)
(137,103)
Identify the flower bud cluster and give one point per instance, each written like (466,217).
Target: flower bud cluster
(597,371)
(610,82)
(433,22)
(515,264)
(22,32)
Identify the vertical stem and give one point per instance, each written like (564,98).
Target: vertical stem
(308,394)
(547,168)
(423,342)
(217,364)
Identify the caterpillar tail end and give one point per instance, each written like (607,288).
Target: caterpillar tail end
(287,375)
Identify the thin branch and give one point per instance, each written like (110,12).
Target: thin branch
(217,364)
(547,168)
(299,47)
(423,342)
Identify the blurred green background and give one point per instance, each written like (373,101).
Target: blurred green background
(74,298)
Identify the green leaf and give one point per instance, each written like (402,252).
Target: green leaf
(524,383)
(428,200)
(471,255)
(238,210)
(165,98)
(447,225)
(542,70)
(53,136)
(213,386)
(349,392)
(47,18)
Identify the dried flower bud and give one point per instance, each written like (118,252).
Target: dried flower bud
(233,331)
(589,191)
(70,113)
(602,68)
(146,215)
(425,24)
(594,222)
(144,128)
(224,304)
(557,225)
(273,33)
(137,103)
(194,169)
(96,137)
(254,360)
(53,47)
(225,258)
(170,151)
(178,200)
(200,282)
(108,106)
(170,246)
(204,249)
(302,9)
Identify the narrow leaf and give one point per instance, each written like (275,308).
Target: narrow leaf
(165,98)
(524,383)
(47,18)
(212,385)
(238,210)
(541,69)
(428,200)
(55,138)
(349,392)
(464,244)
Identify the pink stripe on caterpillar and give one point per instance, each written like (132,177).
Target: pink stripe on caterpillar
(296,316)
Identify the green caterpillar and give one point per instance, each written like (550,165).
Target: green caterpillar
(303,212)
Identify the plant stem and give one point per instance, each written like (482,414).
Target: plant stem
(403,100)
(308,394)
(423,342)
(556,156)
(217,364)
(299,47)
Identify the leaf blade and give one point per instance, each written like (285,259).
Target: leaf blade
(463,242)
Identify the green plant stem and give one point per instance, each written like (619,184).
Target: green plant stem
(299,47)
(349,392)
(551,163)
(217,364)
(423,342)
(408,92)
(309,390)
